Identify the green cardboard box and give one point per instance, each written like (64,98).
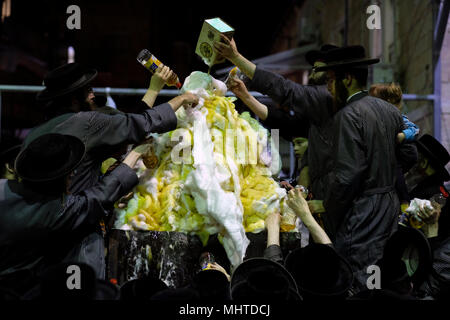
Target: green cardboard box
(211,30)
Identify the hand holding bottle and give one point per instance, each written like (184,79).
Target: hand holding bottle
(161,76)
(151,63)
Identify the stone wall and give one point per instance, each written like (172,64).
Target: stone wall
(404,43)
(445,91)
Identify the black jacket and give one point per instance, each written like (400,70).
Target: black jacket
(361,200)
(37,230)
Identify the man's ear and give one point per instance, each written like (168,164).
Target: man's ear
(9,168)
(424,163)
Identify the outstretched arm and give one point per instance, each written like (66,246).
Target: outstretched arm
(88,206)
(110,130)
(289,126)
(238,87)
(311,103)
(228,49)
(273,249)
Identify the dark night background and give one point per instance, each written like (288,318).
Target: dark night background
(34,40)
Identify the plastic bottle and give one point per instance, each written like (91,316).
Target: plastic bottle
(438,201)
(303,190)
(151,63)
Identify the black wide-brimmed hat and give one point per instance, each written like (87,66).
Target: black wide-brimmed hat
(263,279)
(436,153)
(346,57)
(407,254)
(212,285)
(141,289)
(65,79)
(319,271)
(61,282)
(49,157)
(318,55)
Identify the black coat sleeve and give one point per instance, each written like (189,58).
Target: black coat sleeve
(274,253)
(97,129)
(308,102)
(290,126)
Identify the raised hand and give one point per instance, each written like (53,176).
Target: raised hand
(160,77)
(238,87)
(300,206)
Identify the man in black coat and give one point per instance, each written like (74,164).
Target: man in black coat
(361,204)
(40,221)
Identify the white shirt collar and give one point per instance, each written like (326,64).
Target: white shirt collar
(348,99)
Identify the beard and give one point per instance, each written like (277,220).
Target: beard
(340,95)
(82,101)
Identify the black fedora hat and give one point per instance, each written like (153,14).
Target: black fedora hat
(436,153)
(65,79)
(141,289)
(346,57)
(49,157)
(212,285)
(319,271)
(315,55)
(54,285)
(263,279)
(407,254)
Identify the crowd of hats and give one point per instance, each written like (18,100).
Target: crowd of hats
(310,273)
